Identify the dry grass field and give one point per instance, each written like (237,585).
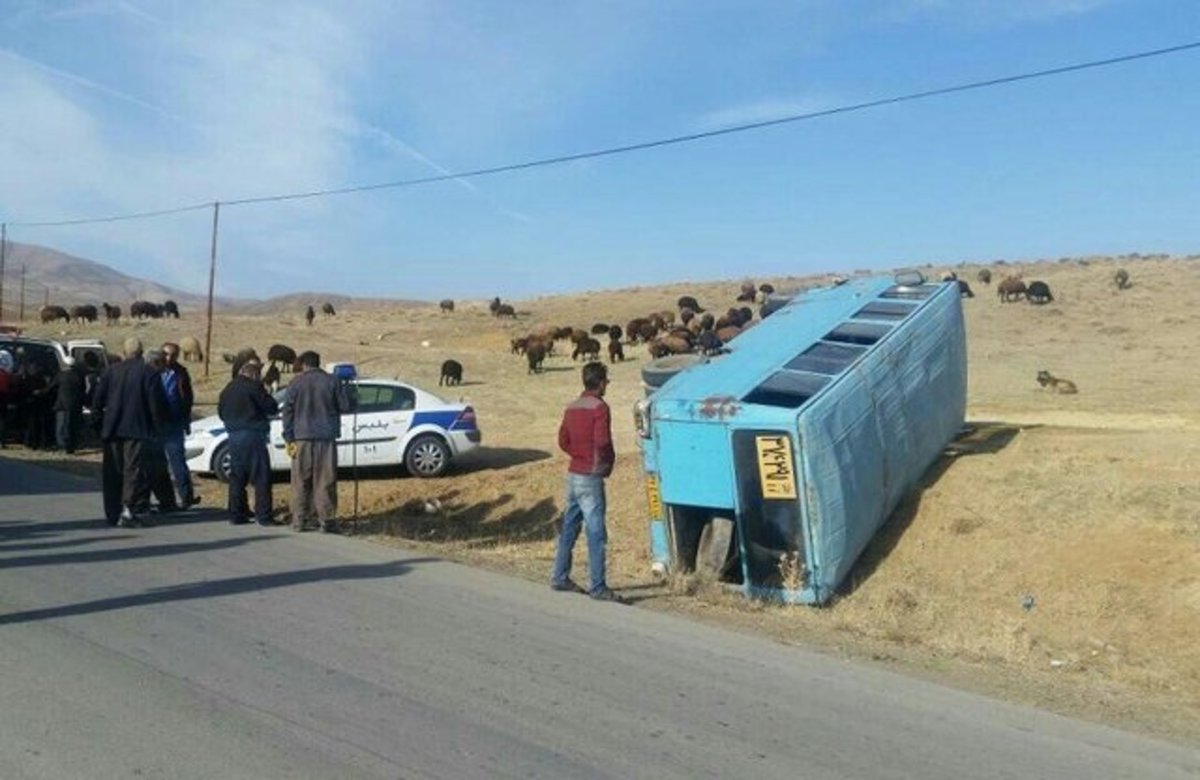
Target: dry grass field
(1088,503)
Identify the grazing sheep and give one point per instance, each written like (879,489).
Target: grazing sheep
(707,322)
(1038,292)
(446,305)
(709,343)
(615,332)
(964,289)
(504,310)
(669,345)
(766,289)
(85,313)
(728,333)
(327,309)
(517,345)
(587,348)
(141,310)
(599,328)
(1056,385)
(615,350)
(647,331)
(451,373)
(493,305)
(633,329)
(170,309)
(52,313)
(271,378)
(1010,289)
(577,335)
(534,355)
(984,276)
(748,293)
(688,302)
(281,353)
(111,314)
(189,347)
(686,315)
(1121,279)
(310,314)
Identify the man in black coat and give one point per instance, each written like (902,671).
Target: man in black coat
(67,389)
(131,406)
(246,408)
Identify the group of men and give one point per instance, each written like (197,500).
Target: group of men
(312,419)
(143,405)
(144,408)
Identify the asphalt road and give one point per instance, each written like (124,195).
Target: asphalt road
(198,649)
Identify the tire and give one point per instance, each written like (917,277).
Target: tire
(222,463)
(656,373)
(714,554)
(427,456)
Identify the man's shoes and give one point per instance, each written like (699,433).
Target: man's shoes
(127,519)
(567,586)
(608,594)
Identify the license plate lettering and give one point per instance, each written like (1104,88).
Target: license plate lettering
(653,497)
(776,472)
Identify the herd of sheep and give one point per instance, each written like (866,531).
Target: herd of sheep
(112,314)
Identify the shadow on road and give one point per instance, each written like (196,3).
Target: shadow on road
(21,478)
(214,588)
(127,553)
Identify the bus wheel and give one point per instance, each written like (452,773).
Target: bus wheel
(714,554)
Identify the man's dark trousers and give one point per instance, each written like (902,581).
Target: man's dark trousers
(124,477)
(250,464)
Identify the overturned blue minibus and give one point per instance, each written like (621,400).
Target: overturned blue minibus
(775,464)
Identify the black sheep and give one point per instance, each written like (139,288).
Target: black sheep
(281,353)
(615,350)
(688,302)
(1038,292)
(451,373)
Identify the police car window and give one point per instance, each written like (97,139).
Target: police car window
(402,399)
(372,398)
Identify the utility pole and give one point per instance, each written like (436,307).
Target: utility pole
(46,296)
(21,316)
(212,275)
(3,249)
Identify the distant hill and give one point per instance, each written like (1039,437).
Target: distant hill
(68,280)
(72,280)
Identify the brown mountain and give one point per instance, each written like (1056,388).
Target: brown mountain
(67,280)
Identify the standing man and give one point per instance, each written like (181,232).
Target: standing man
(131,407)
(586,435)
(312,424)
(246,408)
(177,386)
(68,390)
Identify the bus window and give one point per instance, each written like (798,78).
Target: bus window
(865,333)
(884,310)
(825,358)
(787,389)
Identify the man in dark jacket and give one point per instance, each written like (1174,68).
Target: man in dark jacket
(177,386)
(312,423)
(586,435)
(246,408)
(67,389)
(131,407)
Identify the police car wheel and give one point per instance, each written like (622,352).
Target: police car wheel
(222,463)
(428,456)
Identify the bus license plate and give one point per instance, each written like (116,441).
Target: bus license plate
(653,497)
(776,472)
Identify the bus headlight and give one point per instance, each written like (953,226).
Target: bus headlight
(641,418)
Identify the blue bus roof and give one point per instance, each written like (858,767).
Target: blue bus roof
(789,355)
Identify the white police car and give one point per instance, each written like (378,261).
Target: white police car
(394,423)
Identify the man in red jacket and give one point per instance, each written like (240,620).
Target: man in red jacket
(586,435)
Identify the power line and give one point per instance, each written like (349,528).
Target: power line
(641,146)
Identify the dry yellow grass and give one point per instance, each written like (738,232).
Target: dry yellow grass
(1084,508)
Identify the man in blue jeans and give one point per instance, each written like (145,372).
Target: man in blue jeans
(586,435)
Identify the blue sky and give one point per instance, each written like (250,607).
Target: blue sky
(116,106)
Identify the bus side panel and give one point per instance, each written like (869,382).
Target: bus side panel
(872,437)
